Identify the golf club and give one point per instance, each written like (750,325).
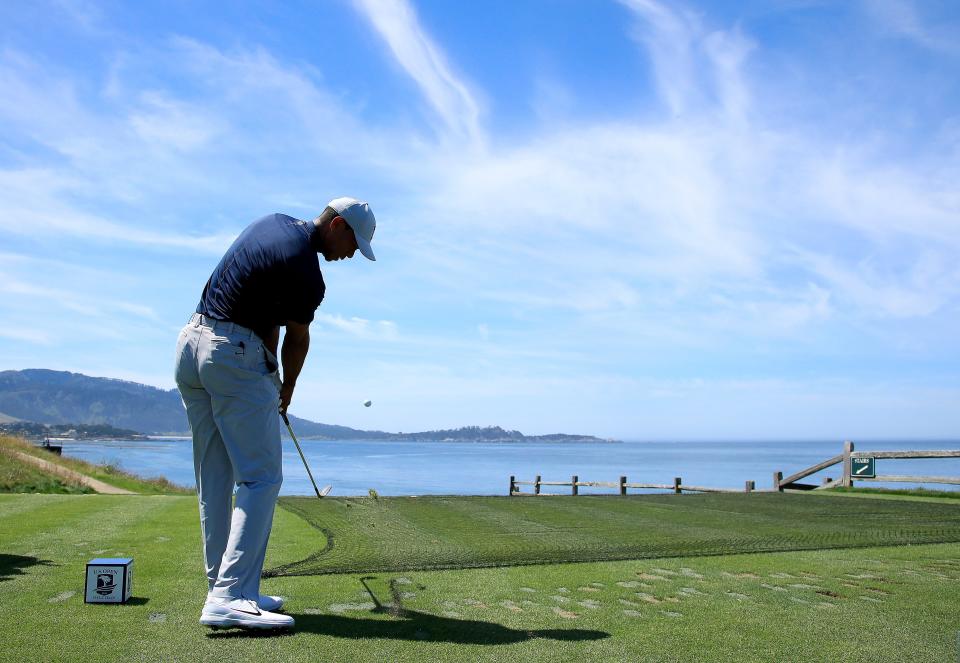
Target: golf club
(320,492)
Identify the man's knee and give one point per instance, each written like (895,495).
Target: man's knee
(269,485)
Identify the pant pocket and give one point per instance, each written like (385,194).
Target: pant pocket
(273,367)
(271,360)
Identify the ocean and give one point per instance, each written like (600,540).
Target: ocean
(462,468)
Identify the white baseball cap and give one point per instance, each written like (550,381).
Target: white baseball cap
(359,217)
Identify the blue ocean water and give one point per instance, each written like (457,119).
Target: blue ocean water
(463,468)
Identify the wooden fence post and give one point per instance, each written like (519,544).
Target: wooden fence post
(536,485)
(748,487)
(847,450)
(676,485)
(512,485)
(623,485)
(777,477)
(573,483)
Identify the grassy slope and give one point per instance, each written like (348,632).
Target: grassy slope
(18,477)
(106,473)
(894,603)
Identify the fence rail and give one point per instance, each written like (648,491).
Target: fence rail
(848,457)
(909,479)
(934,453)
(791,482)
(622,485)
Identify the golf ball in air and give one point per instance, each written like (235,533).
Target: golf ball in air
(367,403)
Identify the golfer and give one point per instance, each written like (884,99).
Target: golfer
(227,374)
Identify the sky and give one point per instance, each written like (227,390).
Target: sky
(637,219)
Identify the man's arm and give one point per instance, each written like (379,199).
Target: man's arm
(296,343)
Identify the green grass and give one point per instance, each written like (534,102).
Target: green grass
(404,533)
(109,474)
(900,492)
(866,604)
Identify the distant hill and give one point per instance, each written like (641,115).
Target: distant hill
(57,398)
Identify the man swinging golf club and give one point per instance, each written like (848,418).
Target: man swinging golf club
(227,374)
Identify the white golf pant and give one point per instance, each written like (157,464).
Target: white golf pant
(229,384)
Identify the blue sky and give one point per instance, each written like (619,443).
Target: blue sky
(637,219)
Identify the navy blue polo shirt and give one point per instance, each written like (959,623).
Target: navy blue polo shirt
(269,275)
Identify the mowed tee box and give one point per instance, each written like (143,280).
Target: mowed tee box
(109,580)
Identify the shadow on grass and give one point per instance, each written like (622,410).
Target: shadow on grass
(133,600)
(418,626)
(13,565)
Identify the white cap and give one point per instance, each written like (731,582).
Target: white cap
(359,217)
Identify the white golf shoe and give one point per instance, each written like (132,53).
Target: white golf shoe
(265,602)
(241,613)
(270,603)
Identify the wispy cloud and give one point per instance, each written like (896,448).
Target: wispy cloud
(692,64)
(904,19)
(877,291)
(74,301)
(359,327)
(48,198)
(416,52)
(170,123)
(30,335)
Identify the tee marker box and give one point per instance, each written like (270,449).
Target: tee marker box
(109,580)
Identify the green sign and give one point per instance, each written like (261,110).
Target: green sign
(863,468)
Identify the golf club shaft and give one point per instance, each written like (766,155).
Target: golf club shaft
(302,457)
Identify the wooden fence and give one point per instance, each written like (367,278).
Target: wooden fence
(622,485)
(849,457)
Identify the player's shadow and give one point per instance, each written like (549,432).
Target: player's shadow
(406,624)
(419,626)
(14,565)
(425,627)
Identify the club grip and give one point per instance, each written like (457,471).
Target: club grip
(283,413)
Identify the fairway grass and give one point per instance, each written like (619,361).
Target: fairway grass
(865,604)
(423,533)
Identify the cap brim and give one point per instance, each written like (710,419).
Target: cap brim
(364,247)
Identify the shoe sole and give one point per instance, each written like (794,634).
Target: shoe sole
(218,622)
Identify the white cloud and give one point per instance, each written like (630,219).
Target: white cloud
(360,327)
(44,196)
(689,61)
(903,18)
(924,288)
(669,36)
(415,51)
(884,199)
(78,302)
(169,123)
(30,334)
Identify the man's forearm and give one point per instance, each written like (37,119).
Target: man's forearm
(292,356)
